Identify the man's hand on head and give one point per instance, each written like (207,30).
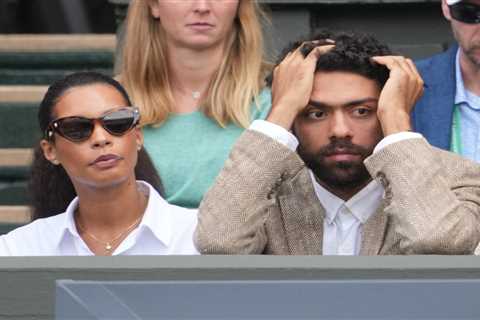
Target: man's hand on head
(293,82)
(400,93)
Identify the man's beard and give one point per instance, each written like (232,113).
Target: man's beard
(340,174)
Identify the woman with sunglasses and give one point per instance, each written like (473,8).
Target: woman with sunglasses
(90,157)
(196,70)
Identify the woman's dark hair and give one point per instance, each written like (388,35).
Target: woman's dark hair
(50,188)
(352,53)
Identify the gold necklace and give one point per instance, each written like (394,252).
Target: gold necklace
(108,245)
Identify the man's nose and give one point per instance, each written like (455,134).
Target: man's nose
(339,126)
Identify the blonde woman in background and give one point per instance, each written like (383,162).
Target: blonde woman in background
(196,70)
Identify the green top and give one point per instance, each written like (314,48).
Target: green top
(189,151)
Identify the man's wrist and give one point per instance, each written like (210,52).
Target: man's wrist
(397,137)
(283,117)
(275,132)
(393,123)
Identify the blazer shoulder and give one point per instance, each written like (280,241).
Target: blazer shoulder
(441,60)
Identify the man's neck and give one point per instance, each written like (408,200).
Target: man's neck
(344,193)
(470,74)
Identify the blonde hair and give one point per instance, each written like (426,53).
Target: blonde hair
(237,82)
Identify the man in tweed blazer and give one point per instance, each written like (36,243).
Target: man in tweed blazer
(359,183)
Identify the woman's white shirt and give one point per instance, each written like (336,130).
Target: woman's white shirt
(165,229)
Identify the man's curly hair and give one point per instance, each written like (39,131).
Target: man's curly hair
(352,53)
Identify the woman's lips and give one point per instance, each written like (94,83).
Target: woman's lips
(200,26)
(106,161)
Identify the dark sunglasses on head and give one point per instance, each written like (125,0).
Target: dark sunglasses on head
(78,129)
(465,12)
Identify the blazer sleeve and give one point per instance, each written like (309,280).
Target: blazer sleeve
(432,198)
(233,213)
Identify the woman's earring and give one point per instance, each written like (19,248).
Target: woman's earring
(139,147)
(55,162)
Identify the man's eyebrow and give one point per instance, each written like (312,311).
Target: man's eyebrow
(318,104)
(360,101)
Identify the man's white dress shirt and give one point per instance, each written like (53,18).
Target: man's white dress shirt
(164,229)
(343,221)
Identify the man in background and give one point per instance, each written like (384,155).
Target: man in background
(448,114)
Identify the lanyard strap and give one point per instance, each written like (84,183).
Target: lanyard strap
(456,143)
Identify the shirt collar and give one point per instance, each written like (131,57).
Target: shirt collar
(157,217)
(464,97)
(68,227)
(366,202)
(362,205)
(330,202)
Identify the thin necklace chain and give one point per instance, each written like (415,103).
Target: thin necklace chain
(108,245)
(195,94)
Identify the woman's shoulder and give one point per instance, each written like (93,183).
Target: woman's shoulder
(184,223)
(262,104)
(31,238)
(184,214)
(177,223)
(39,225)
(161,204)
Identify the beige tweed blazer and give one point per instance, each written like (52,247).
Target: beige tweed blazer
(263,202)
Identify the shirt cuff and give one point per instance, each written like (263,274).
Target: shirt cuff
(396,137)
(275,132)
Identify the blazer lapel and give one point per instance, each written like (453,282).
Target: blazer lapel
(302,215)
(433,114)
(373,233)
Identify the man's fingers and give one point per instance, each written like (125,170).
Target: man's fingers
(397,63)
(408,66)
(415,71)
(411,66)
(319,50)
(403,68)
(390,62)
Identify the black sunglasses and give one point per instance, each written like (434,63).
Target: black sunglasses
(78,129)
(465,12)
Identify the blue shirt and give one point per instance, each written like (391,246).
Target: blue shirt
(468,105)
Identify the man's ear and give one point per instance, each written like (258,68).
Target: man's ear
(49,151)
(446,10)
(154,8)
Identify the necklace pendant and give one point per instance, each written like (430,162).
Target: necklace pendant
(196,95)
(108,247)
